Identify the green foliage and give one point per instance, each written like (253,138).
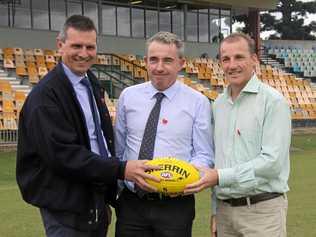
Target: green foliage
(20,219)
(291,24)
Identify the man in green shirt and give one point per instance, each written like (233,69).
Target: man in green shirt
(252,140)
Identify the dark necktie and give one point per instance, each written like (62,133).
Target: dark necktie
(146,151)
(100,140)
(147,146)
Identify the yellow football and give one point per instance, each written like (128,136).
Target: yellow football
(175,174)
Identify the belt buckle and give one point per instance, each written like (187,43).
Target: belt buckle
(248,200)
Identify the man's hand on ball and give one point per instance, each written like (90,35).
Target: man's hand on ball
(209,178)
(135,171)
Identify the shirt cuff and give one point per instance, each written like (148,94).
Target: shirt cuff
(226,177)
(201,164)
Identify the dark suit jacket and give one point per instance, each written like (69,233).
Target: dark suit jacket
(55,167)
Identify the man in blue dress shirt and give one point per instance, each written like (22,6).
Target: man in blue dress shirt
(184,131)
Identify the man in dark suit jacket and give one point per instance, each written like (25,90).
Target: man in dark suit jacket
(60,167)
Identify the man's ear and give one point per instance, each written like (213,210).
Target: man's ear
(181,63)
(255,61)
(255,58)
(146,60)
(59,45)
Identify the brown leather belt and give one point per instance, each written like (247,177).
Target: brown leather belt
(244,201)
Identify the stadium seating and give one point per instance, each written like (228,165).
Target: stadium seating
(298,93)
(204,75)
(300,60)
(9,106)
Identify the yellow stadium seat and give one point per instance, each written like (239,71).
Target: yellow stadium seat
(21,71)
(18,51)
(8,63)
(38,52)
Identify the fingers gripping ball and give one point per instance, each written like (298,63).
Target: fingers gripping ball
(175,174)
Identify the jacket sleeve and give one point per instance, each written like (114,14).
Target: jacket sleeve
(58,145)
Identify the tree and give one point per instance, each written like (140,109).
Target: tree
(289,24)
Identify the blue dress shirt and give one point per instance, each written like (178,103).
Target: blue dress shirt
(83,99)
(184,128)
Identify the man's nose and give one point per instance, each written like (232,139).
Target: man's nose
(160,66)
(83,52)
(232,63)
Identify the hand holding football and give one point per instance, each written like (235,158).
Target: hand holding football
(175,174)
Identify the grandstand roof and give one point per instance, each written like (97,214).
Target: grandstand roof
(256,4)
(267,4)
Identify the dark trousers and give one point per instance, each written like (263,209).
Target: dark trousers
(54,228)
(143,217)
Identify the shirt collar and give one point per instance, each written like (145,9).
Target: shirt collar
(169,92)
(252,86)
(74,79)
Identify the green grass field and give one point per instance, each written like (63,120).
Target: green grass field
(21,220)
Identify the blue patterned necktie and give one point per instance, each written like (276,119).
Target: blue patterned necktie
(146,151)
(94,109)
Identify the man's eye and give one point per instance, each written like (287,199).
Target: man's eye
(168,60)
(153,60)
(240,57)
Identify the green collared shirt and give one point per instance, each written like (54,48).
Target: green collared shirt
(252,140)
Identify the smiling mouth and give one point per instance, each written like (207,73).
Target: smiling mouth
(82,60)
(160,75)
(233,74)
(82,63)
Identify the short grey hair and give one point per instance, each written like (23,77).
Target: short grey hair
(78,22)
(165,37)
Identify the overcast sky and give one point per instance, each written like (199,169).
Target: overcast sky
(310,17)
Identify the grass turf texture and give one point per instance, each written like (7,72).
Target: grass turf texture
(19,219)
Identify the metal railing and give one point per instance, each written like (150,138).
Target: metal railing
(120,73)
(8,137)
